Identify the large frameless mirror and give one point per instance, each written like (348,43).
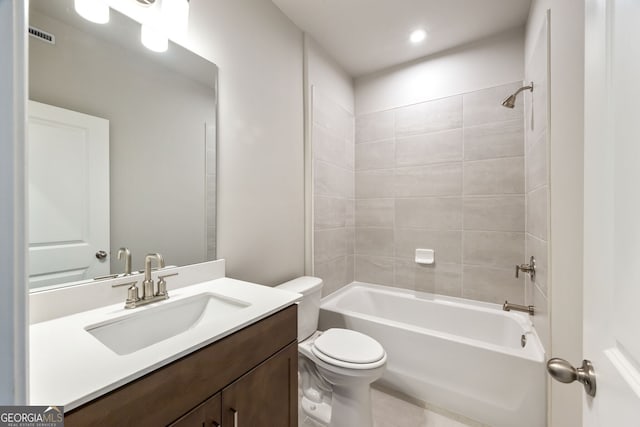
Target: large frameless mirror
(122,148)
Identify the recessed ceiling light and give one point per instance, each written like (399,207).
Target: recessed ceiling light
(417,36)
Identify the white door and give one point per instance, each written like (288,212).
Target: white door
(612,211)
(68,195)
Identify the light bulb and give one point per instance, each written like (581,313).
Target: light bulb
(417,36)
(93,10)
(175,14)
(153,36)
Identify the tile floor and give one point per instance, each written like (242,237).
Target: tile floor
(391,410)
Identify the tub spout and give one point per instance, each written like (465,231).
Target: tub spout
(507,306)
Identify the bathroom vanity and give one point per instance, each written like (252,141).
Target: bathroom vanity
(248,378)
(218,351)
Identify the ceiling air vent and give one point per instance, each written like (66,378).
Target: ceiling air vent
(42,35)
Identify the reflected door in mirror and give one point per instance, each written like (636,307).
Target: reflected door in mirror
(68,195)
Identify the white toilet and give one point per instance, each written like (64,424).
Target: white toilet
(336,367)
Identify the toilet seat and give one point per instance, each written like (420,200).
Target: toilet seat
(348,349)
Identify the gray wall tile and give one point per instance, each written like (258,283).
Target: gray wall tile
(485,106)
(374,184)
(331,116)
(496,176)
(329,244)
(492,285)
(429,148)
(329,212)
(333,189)
(375,155)
(446,244)
(435,213)
(350,213)
(541,318)
(374,241)
(350,240)
(431,175)
(536,164)
(493,248)
(331,180)
(375,212)
(434,180)
(328,147)
(494,140)
(335,273)
(537,215)
(494,213)
(373,269)
(431,116)
(439,278)
(375,126)
(538,248)
(350,154)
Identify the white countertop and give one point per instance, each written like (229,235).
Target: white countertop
(70,367)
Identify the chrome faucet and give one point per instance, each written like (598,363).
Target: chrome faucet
(127,260)
(147,285)
(148,295)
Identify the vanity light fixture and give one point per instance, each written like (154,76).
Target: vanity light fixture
(165,17)
(175,14)
(417,36)
(153,34)
(93,10)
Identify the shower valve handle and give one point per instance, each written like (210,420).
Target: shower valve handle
(527,268)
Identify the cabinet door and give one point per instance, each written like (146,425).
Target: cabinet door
(267,395)
(207,414)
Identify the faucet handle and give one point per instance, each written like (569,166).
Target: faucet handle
(132,294)
(527,268)
(162,285)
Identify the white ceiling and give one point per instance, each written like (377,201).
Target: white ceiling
(368,35)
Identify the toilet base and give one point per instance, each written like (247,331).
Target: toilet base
(351,406)
(319,412)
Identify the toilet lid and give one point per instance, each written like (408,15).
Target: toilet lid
(349,346)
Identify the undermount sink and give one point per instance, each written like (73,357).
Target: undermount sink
(151,325)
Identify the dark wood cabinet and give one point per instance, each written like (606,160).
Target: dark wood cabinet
(264,396)
(252,372)
(207,414)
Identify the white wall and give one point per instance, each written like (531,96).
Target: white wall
(566,191)
(482,64)
(14,336)
(260,146)
(323,72)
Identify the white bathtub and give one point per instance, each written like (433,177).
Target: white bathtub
(461,355)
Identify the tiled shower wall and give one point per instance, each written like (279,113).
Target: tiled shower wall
(537,183)
(332,141)
(448,175)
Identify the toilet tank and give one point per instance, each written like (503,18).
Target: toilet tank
(309,306)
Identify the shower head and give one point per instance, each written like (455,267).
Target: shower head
(510,101)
